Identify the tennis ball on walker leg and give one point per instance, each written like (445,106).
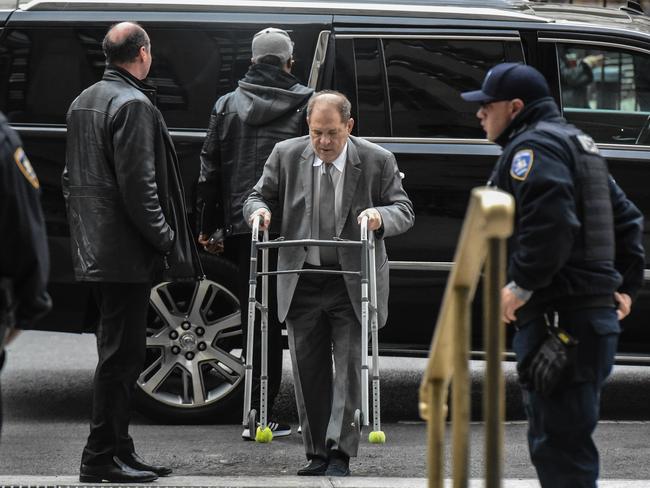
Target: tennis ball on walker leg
(263,435)
(377,437)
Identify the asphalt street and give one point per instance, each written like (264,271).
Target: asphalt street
(47,391)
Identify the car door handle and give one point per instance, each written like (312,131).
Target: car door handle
(624,139)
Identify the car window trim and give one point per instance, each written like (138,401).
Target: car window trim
(454,37)
(427,140)
(199,135)
(318,60)
(582,42)
(385,86)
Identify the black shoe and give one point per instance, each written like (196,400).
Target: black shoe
(115,472)
(339,465)
(315,467)
(134,461)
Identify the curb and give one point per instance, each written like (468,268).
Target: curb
(284,482)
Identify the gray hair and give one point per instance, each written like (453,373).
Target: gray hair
(331,97)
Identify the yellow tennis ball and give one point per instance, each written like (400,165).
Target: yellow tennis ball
(263,435)
(377,437)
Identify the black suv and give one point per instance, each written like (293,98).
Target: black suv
(403,67)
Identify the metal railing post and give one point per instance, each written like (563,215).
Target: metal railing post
(436,432)
(487,225)
(494,337)
(460,399)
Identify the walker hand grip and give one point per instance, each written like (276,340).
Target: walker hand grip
(365,234)
(364,228)
(257,219)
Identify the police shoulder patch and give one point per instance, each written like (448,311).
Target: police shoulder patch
(522,162)
(25,167)
(587,144)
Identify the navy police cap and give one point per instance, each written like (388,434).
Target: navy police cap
(507,81)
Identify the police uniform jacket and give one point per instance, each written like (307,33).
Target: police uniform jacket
(577,237)
(122,186)
(24,257)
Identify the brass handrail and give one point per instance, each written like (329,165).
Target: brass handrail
(487,225)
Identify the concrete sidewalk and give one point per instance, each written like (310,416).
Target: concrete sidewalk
(286,482)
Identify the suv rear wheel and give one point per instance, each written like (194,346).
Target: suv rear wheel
(194,369)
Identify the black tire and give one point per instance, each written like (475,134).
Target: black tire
(194,370)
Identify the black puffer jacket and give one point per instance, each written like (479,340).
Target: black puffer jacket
(122,187)
(266,108)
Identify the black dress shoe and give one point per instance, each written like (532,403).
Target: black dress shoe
(114,473)
(134,461)
(315,467)
(339,465)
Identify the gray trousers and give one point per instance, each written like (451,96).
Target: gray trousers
(323,328)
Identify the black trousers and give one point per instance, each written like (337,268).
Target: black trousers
(121,347)
(560,427)
(325,345)
(238,249)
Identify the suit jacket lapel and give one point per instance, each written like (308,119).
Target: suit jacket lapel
(350,181)
(306,165)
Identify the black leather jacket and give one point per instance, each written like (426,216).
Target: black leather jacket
(122,187)
(266,108)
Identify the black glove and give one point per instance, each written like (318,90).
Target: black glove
(545,369)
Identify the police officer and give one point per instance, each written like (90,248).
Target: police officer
(575,258)
(24,258)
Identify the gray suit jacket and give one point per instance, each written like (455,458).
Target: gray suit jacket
(372,179)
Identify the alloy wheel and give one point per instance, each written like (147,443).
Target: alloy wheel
(194,344)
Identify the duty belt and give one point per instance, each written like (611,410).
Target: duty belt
(534,311)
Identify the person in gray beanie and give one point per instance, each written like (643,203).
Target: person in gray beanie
(267,107)
(272,42)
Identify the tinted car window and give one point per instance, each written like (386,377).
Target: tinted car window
(371,88)
(426,77)
(43,70)
(345,77)
(411,87)
(606,92)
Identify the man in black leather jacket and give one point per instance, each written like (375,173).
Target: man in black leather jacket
(128,225)
(575,258)
(266,108)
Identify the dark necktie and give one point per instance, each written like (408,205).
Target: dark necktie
(326,216)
